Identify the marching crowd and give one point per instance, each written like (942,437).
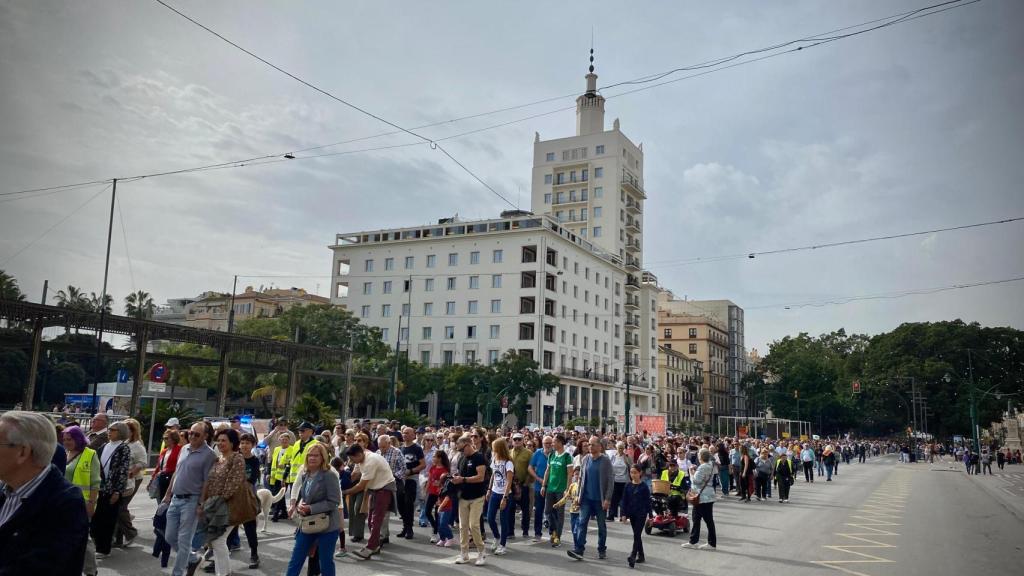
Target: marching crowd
(463,485)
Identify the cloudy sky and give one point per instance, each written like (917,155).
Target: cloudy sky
(914,127)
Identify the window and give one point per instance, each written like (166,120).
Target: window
(364,312)
(471,355)
(448,357)
(389,263)
(449,332)
(367,287)
(387,286)
(453,259)
(409,261)
(693,348)
(598,192)
(368,266)
(529,254)
(450,283)
(549,157)
(526,331)
(428,285)
(425,358)
(495,280)
(597,230)
(471,332)
(597,213)
(549,360)
(495,306)
(495,331)
(599,149)
(472,307)
(428,308)
(668,332)
(406,310)
(431,260)
(598,172)
(406,284)
(384,334)
(497,256)
(547,178)
(403,334)
(693,332)
(428,332)
(449,308)
(474,257)
(385,310)
(474,282)
(547,198)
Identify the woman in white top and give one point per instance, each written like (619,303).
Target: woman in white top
(502,472)
(621,463)
(124,532)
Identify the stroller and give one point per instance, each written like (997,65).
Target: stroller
(666,505)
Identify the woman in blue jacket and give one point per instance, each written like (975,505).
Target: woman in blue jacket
(635,508)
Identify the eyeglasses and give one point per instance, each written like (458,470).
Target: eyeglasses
(195,433)
(9,444)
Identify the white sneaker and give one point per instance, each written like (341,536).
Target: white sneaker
(687,545)
(462,559)
(705,546)
(500,551)
(495,546)
(480,561)
(433,539)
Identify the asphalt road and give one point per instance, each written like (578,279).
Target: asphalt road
(880,518)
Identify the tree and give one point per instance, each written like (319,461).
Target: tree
(9,289)
(96,304)
(73,298)
(139,305)
(519,378)
(309,409)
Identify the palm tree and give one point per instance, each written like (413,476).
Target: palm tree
(9,287)
(139,305)
(97,305)
(74,299)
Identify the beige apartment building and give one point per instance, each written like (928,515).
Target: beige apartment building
(210,310)
(704,339)
(680,392)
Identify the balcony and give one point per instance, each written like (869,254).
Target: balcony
(633,225)
(633,343)
(632,245)
(570,181)
(632,322)
(588,374)
(632,283)
(632,184)
(633,264)
(632,303)
(572,219)
(562,199)
(633,206)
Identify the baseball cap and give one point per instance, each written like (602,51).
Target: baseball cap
(306,426)
(236,419)
(172,422)
(517,436)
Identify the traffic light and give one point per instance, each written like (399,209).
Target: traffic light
(856,386)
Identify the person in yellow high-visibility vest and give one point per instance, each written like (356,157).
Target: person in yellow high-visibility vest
(680,485)
(83,470)
(279,464)
(297,457)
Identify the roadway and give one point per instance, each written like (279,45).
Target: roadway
(880,518)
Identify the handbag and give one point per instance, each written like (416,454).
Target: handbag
(243,506)
(314,523)
(154,488)
(693,498)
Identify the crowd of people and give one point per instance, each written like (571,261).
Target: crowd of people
(464,487)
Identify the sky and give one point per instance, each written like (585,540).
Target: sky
(913,127)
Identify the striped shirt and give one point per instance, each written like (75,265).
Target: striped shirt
(14,498)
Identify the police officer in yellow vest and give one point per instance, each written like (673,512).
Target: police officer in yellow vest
(279,467)
(83,470)
(297,458)
(680,483)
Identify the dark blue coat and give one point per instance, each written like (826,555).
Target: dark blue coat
(636,500)
(47,534)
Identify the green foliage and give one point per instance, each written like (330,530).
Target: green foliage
(164,411)
(9,289)
(139,305)
(310,409)
(404,417)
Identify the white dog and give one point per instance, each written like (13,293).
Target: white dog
(268,499)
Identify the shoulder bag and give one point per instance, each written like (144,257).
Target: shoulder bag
(693,498)
(243,506)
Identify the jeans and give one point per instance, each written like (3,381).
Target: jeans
(588,510)
(637,523)
(821,467)
(828,469)
(723,475)
(325,546)
(495,514)
(613,510)
(703,511)
(762,485)
(469,524)
(556,516)
(428,509)
(444,525)
(181,527)
(538,514)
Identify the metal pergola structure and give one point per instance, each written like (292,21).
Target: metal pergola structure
(264,351)
(770,427)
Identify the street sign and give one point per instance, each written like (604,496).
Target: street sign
(158,372)
(786,434)
(155,387)
(122,375)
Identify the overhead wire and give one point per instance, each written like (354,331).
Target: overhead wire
(55,225)
(275,157)
(127,251)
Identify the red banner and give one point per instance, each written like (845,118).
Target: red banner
(650,424)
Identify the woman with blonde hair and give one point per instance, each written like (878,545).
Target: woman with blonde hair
(124,532)
(502,471)
(316,491)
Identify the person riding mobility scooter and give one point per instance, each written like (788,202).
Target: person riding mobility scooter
(668,496)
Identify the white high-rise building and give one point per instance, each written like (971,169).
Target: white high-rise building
(562,284)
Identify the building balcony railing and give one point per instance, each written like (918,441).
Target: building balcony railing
(632,245)
(632,183)
(570,199)
(632,323)
(632,284)
(633,264)
(633,226)
(588,374)
(632,343)
(633,207)
(632,303)
(572,219)
(569,181)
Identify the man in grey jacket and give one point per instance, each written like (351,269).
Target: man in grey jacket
(597,482)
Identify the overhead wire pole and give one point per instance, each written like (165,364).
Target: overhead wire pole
(98,371)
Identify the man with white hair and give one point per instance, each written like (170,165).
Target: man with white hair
(32,490)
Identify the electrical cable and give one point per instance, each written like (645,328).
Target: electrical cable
(254,160)
(51,228)
(127,252)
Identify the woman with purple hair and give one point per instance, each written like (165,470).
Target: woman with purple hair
(83,470)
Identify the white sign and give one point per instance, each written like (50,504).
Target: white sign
(504,410)
(157,387)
